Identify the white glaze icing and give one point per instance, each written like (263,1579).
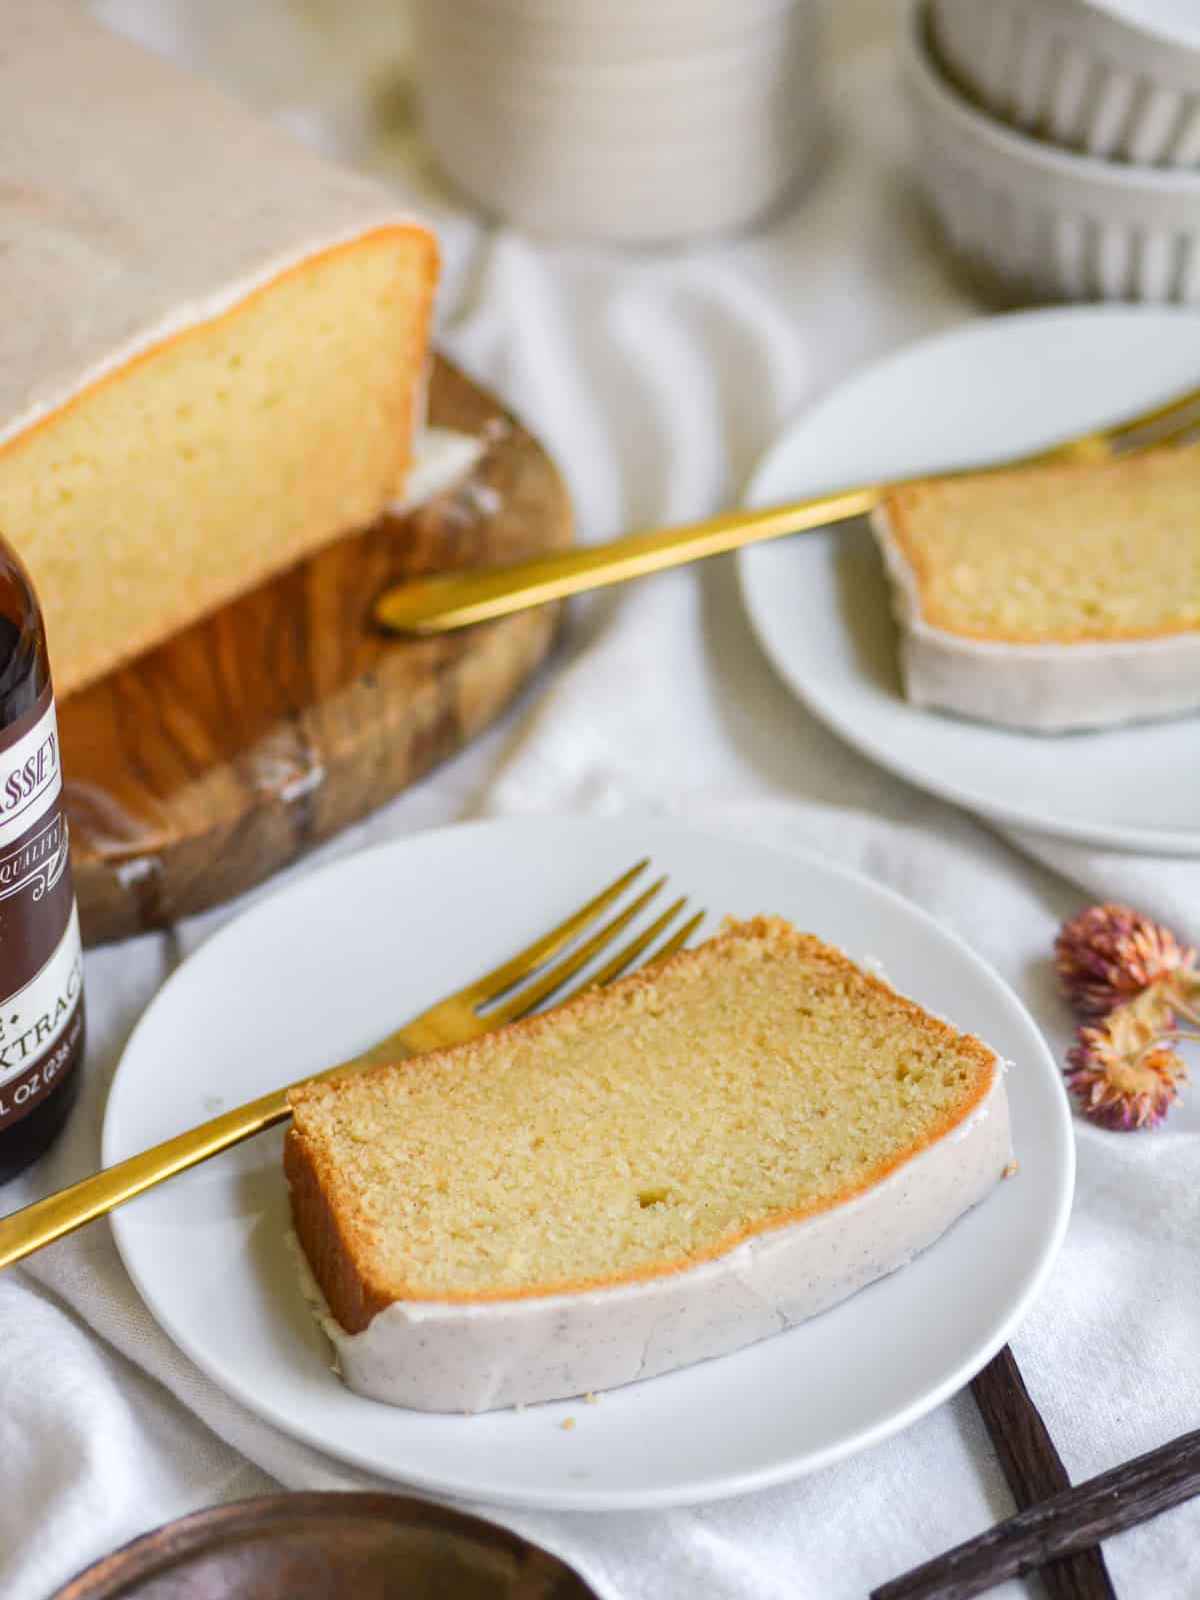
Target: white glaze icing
(1042,688)
(136,201)
(441,458)
(433,1356)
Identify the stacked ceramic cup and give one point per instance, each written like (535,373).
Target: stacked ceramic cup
(1059,142)
(630,120)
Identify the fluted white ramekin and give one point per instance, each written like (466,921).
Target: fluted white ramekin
(1125,87)
(1041,223)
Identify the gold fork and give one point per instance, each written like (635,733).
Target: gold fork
(489,1002)
(452,600)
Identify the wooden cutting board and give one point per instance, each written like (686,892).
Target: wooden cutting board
(207,764)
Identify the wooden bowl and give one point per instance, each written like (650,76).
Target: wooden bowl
(328,1547)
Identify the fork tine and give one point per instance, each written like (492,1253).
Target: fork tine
(1176,431)
(535,955)
(1168,412)
(678,940)
(533,994)
(625,957)
(1131,435)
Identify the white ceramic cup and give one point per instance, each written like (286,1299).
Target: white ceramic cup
(642,121)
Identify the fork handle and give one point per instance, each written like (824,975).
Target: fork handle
(61,1213)
(456,599)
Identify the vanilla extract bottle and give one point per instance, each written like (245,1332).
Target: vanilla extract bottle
(41,961)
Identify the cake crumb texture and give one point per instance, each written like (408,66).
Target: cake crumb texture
(635,1131)
(1058,554)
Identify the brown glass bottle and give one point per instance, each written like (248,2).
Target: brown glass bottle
(41,966)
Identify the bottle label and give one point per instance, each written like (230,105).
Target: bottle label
(30,774)
(41,958)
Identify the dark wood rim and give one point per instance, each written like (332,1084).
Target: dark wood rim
(154,1553)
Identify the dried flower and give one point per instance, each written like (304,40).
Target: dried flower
(1122,1071)
(1109,954)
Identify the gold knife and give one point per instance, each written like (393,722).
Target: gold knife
(451,600)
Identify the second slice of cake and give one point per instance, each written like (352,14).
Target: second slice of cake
(1051,598)
(694,1158)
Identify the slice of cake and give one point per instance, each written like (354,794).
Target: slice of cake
(665,1170)
(1051,598)
(213,343)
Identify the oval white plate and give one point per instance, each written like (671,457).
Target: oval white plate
(819,602)
(340,958)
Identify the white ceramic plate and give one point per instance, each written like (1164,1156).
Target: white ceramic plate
(338,959)
(820,605)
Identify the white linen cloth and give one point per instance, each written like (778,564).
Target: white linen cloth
(657,380)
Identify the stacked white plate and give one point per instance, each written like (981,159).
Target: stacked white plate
(621,119)
(1059,142)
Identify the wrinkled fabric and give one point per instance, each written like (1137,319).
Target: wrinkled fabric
(657,380)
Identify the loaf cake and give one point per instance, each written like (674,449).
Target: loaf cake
(213,343)
(1054,597)
(702,1154)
